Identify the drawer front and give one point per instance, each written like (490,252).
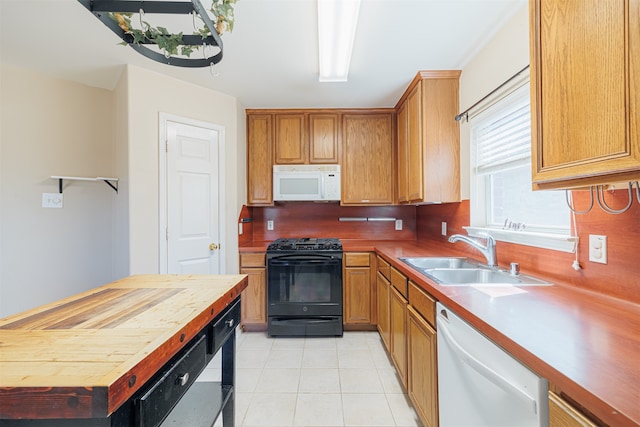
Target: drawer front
(226,325)
(399,281)
(383,267)
(162,396)
(356,259)
(423,303)
(253,260)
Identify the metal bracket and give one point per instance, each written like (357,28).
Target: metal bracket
(100,9)
(111,182)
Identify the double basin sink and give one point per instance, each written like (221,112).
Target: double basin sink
(458,271)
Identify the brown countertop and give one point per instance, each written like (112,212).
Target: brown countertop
(586,344)
(84,356)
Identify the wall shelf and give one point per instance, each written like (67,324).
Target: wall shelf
(111,182)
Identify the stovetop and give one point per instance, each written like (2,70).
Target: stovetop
(305,244)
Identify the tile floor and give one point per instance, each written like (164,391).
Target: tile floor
(313,382)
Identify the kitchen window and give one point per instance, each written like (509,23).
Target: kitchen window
(502,201)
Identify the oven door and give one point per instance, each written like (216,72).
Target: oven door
(305,285)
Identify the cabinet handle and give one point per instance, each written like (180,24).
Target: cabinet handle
(183,379)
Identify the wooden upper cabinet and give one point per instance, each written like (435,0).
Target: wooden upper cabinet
(429,139)
(259,159)
(324,138)
(367,158)
(585,91)
(290,139)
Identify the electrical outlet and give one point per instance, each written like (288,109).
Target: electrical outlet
(598,248)
(398,224)
(270,225)
(52,200)
(239,229)
(444,228)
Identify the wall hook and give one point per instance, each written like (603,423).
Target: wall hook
(608,209)
(569,197)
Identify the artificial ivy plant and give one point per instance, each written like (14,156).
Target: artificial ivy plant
(172,44)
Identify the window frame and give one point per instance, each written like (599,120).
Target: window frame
(564,242)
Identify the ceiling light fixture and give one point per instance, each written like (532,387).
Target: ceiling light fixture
(337,22)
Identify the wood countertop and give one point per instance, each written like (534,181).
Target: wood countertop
(84,356)
(586,344)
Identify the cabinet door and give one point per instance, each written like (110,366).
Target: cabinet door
(290,139)
(254,297)
(367,173)
(422,368)
(384,325)
(357,295)
(584,85)
(259,160)
(562,414)
(398,320)
(415,155)
(324,138)
(403,158)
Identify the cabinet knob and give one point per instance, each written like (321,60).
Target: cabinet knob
(183,379)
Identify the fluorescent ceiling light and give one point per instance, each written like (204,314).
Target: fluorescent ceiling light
(337,21)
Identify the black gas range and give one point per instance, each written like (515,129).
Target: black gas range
(304,287)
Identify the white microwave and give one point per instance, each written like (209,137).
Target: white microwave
(306,182)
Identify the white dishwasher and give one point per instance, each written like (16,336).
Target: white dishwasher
(480,384)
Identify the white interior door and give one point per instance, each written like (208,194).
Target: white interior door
(192,198)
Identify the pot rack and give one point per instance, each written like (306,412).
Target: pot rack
(101,9)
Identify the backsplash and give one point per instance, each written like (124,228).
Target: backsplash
(323,220)
(619,278)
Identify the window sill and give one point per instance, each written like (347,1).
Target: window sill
(555,242)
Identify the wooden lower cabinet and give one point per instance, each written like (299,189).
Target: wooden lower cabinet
(358,292)
(563,414)
(254,297)
(383,287)
(398,321)
(422,367)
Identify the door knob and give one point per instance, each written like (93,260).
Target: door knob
(213,246)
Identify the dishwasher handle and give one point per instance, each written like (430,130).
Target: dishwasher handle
(483,369)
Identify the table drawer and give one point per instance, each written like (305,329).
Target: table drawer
(225,325)
(158,401)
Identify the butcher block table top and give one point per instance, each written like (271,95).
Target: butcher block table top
(84,356)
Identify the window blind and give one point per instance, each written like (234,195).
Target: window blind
(502,133)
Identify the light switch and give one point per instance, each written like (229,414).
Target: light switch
(598,248)
(398,224)
(270,225)
(444,228)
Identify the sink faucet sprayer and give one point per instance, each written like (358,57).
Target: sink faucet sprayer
(488,250)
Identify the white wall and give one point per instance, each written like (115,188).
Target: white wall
(53,127)
(503,56)
(150,94)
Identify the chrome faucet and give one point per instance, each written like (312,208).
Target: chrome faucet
(488,250)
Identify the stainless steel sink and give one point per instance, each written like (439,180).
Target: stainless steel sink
(427,263)
(482,276)
(460,271)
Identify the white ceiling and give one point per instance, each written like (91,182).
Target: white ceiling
(270,59)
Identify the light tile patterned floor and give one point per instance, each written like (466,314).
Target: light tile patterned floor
(314,382)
